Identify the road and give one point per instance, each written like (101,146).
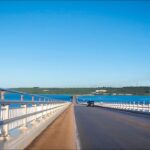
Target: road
(100,128)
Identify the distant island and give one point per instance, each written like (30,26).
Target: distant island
(143,90)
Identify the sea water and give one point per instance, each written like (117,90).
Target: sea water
(99,98)
(17,97)
(119,98)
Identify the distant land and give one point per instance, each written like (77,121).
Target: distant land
(142,90)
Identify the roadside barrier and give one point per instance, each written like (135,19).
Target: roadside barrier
(132,106)
(21,115)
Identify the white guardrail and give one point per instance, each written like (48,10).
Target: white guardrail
(26,113)
(132,106)
(139,106)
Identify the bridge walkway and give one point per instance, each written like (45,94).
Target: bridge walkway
(59,135)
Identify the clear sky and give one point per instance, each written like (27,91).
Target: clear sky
(74,44)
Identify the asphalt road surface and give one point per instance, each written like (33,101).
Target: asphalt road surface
(100,128)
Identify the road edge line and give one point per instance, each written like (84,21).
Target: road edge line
(78,145)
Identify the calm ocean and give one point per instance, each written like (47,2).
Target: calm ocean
(16,97)
(102,98)
(121,98)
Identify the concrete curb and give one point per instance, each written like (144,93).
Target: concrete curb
(78,147)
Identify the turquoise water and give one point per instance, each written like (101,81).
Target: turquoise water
(121,98)
(102,98)
(16,97)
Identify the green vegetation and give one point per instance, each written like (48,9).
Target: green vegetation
(128,90)
(82,91)
(71,91)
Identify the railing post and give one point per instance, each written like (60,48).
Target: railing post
(32,98)
(138,106)
(49,104)
(130,106)
(43,114)
(47,107)
(24,107)
(41,105)
(22,97)
(51,107)
(149,107)
(40,109)
(54,107)
(143,106)
(121,105)
(5,128)
(35,110)
(134,105)
(124,106)
(117,105)
(2,95)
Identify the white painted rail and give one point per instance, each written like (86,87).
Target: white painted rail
(26,113)
(132,106)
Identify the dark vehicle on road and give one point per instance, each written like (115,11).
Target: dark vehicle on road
(90,103)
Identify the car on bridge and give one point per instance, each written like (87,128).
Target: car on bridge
(90,103)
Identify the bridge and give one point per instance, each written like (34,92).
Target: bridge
(44,123)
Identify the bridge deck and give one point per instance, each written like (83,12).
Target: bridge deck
(98,128)
(59,135)
(101,128)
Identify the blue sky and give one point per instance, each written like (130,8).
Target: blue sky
(74,44)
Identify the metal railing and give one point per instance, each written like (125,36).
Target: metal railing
(132,106)
(25,112)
